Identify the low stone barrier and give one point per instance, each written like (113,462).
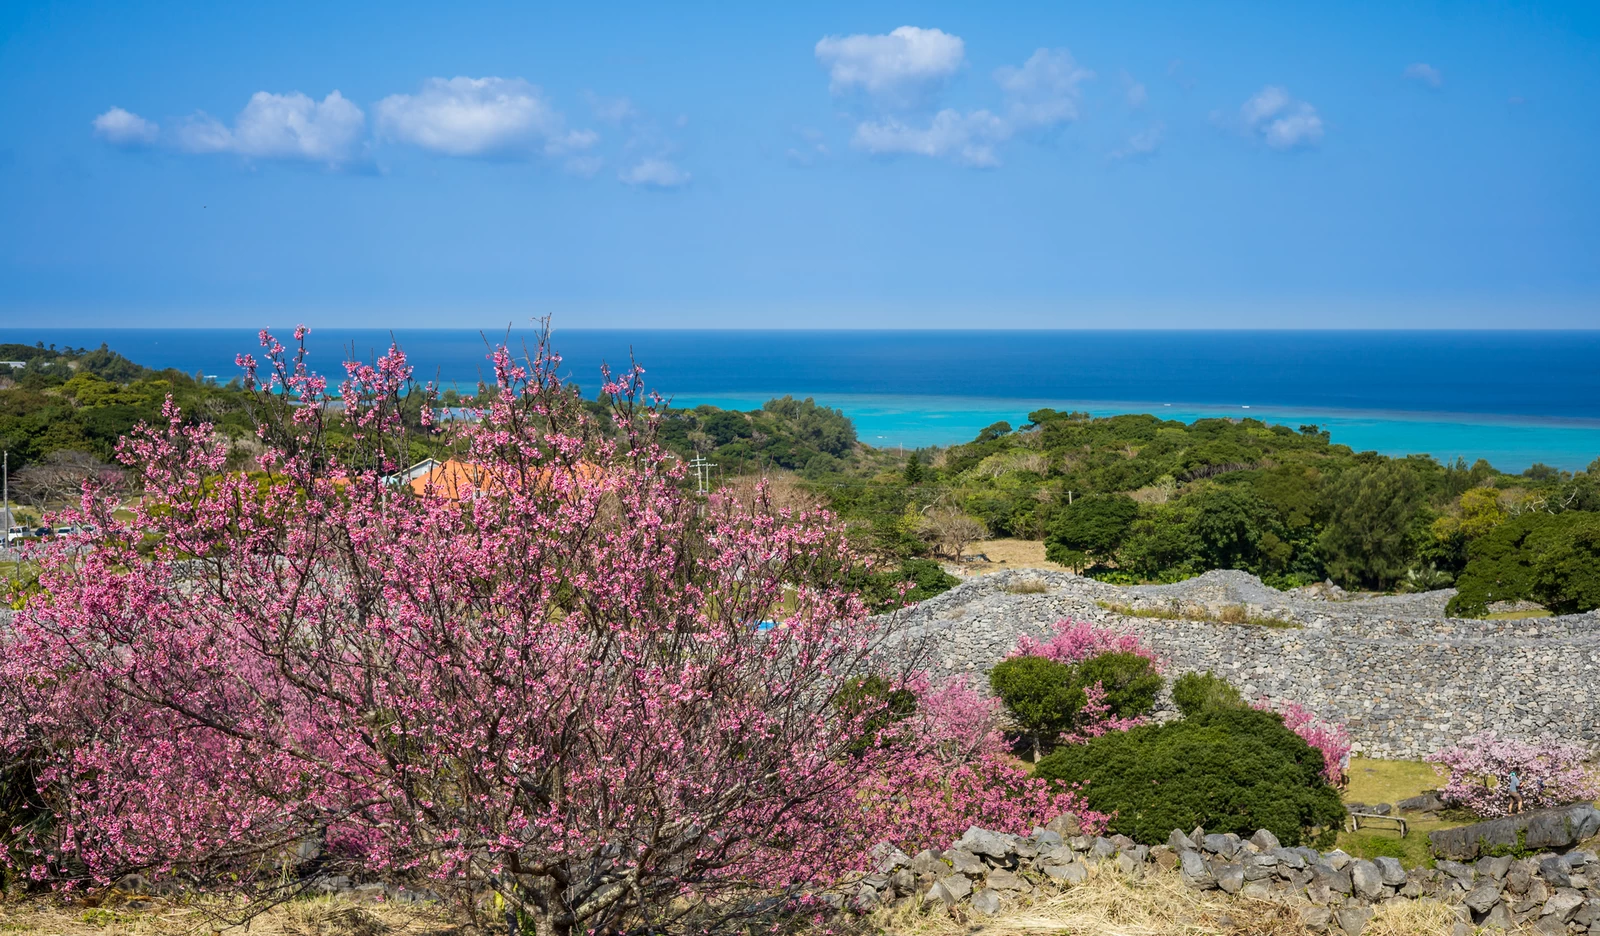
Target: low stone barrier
(1544,829)
(986,872)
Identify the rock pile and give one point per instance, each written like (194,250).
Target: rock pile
(986,871)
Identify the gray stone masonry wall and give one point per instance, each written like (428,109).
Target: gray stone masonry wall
(985,872)
(1406,680)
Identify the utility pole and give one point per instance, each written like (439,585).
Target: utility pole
(1069,498)
(702,473)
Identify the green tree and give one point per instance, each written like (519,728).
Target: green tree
(1228,523)
(1499,565)
(1042,696)
(1368,539)
(1566,572)
(1091,528)
(1160,542)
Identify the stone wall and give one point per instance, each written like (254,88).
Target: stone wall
(1405,679)
(986,872)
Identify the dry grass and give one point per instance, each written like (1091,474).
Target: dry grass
(1027,586)
(1109,904)
(1227,614)
(323,916)
(1011,554)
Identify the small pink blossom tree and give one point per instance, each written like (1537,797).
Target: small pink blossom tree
(1330,738)
(1071,642)
(1477,770)
(543,681)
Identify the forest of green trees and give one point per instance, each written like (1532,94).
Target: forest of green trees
(1129,498)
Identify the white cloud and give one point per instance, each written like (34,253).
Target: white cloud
(281,126)
(1281,121)
(1044,91)
(653,172)
(1427,74)
(123,128)
(1134,92)
(968,138)
(615,110)
(1143,143)
(905,62)
(479,117)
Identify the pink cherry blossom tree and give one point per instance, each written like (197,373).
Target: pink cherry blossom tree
(542,680)
(1476,773)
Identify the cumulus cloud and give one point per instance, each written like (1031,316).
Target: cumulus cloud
(281,126)
(124,128)
(1427,74)
(903,63)
(1280,121)
(488,117)
(654,172)
(968,138)
(1141,144)
(1044,90)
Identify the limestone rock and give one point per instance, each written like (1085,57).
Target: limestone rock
(986,902)
(1366,879)
(1265,840)
(1001,879)
(1563,905)
(1194,871)
(1483,898)
(1394,873)
(965,862)
(1353,919)
(958,886)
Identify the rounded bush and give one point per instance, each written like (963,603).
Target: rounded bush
(1229,770)
(1130,681)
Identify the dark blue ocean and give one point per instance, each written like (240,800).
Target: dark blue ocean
(1513,397)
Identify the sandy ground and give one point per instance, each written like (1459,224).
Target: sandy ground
(1008,554)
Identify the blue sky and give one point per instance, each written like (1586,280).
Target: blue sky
(827,164)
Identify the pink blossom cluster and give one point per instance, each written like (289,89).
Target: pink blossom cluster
(1477,773)
(1075,641)
(1330,738)
(548,684)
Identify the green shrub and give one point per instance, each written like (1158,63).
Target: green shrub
(1229,770)
(1130,682)
(1194,693)
(1043,696)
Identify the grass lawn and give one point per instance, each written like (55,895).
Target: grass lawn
(1518,615)
(1390,781)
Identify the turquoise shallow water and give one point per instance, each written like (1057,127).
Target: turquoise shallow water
(1512,397)
(1510,443)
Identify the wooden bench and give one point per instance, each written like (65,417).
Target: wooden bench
(1357,818)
